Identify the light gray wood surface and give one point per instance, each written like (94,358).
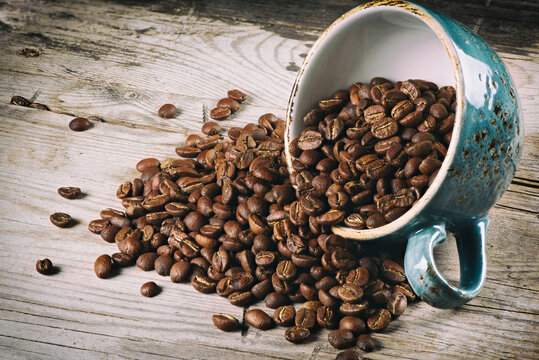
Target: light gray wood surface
(121,61)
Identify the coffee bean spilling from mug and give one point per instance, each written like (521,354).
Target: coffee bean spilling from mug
(370,152)
(226,218)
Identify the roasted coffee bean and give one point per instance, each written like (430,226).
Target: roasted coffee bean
(97,226)
(225,322)
(229,103)
(352,323)
(284,315)
(396,304)
(240,298)
(62,220)
(44,267)
(438,111)
(428,166)
(211,128)
(326,317)
(220,113)
(306,317)
(375,220)
(297,334)
(122,260)
(258,319)
(146,261)
(310,140)
(103,266)
(275,300)
(80,124)
(69,192)
(350,293)
(237,95)
(341,338)
(406,290)
(349,355)
(150,289)
(167,111)
(366,343)
(108,233)
(286,270)
(163,264)
(379,320)
(203,284)
(392,271)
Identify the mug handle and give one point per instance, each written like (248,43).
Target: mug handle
(425,278)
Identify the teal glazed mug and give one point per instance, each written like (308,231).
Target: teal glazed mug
(400,40)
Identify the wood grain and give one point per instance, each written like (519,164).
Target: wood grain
(121,60)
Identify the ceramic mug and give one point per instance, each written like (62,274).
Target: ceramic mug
(399,40)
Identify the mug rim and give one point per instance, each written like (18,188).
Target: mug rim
(445,39)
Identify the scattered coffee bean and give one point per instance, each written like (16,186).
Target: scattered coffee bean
(341,338)
(103,266)
(20,101)
(366,343)
(349,355)
(258,319)
(69,192)
(237,95)
(297,334)
(44,267)
(61,220)
(227,217)
(150,289)
(167,111)
(225,322)
(80,124)
(211,128)
(220,113)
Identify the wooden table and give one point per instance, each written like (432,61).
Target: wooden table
(121,60)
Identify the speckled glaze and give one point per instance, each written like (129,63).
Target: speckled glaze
(481,161)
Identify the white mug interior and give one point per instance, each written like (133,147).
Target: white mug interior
(381,41)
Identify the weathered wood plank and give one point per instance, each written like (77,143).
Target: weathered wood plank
(86,301)
(123,62)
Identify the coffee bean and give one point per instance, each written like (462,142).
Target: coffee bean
(167,111)
(163,264)
(275,300)
(396,304)
(62,220)
(240,298)
(392,271)
(20,101)
(350,293)
(352,323)
(310,140)
(258,319)
(225,322)
(69,192)
(297,334)
(122,260)
(44,267)
(220,113)
(341,338)
(306,318)
(366,343)
(326,317)
(379,320)
(97,226)
(146,261)
(150,289)
(349,355)
(211,128)
(237,95)
(284,315)
(80,124)
(103,266)
(203,284)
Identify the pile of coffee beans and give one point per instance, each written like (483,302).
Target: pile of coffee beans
(226,217)
(369,153)
(229,105)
